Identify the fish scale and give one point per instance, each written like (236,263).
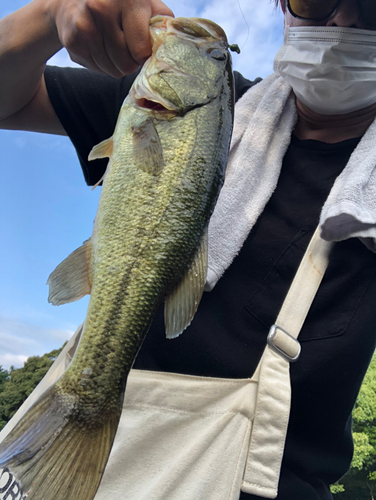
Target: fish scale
(167,160)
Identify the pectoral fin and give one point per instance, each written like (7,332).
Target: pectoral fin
(147,148)
(101,150)
(181,305)
(70,280)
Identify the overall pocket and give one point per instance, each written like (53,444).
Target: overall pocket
(180,438)
(337,299)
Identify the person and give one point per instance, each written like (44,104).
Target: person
(228,335)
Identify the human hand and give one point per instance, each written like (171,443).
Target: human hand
(108,36)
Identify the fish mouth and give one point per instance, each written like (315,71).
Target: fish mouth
(145,96)
(144,93)
(152,105)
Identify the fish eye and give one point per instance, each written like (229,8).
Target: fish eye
(217,54)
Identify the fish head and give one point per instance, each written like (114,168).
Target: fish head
(188,64)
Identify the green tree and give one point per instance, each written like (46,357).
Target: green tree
(17,384)
(360,482)
(4,376)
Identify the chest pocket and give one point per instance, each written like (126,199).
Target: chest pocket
(351,269)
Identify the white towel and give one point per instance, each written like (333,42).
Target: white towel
(350,210)
(264,119)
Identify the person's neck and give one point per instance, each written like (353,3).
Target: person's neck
(332,128)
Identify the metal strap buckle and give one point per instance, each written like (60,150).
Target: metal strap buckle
(285,345)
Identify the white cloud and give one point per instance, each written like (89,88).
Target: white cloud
(259,46)
(20,141)
(21,339)
(8,360)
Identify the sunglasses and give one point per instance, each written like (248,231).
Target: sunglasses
(319,10)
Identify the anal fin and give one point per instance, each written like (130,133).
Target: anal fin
(70,280)
(181,305)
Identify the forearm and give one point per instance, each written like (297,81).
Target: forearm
(28,38)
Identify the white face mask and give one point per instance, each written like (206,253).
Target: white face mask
(331,70)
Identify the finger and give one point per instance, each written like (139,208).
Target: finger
(86,61)
(116,47)
(125,48)
(103,59)
(104,62)
(135,25)
(79,38)
(107,40)
(94,56)
(119,54)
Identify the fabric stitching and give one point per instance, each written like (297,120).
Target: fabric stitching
(259,486)
(257,413)
(309,39)
(319,30)
(196,377)
(238,461)
(282,444)
(323,30)
(285,422)
(176,410)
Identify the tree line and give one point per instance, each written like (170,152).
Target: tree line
(358,484)
(18,383)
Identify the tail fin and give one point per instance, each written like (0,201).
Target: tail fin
(52,454)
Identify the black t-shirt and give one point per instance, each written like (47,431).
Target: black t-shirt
(228,333)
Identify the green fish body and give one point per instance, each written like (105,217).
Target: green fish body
(149,244)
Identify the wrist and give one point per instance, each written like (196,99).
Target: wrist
(43,14)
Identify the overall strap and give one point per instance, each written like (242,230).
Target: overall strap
(272,412)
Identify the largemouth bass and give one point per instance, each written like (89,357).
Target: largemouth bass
(167,162)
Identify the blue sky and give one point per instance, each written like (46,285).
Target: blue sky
(46,209)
